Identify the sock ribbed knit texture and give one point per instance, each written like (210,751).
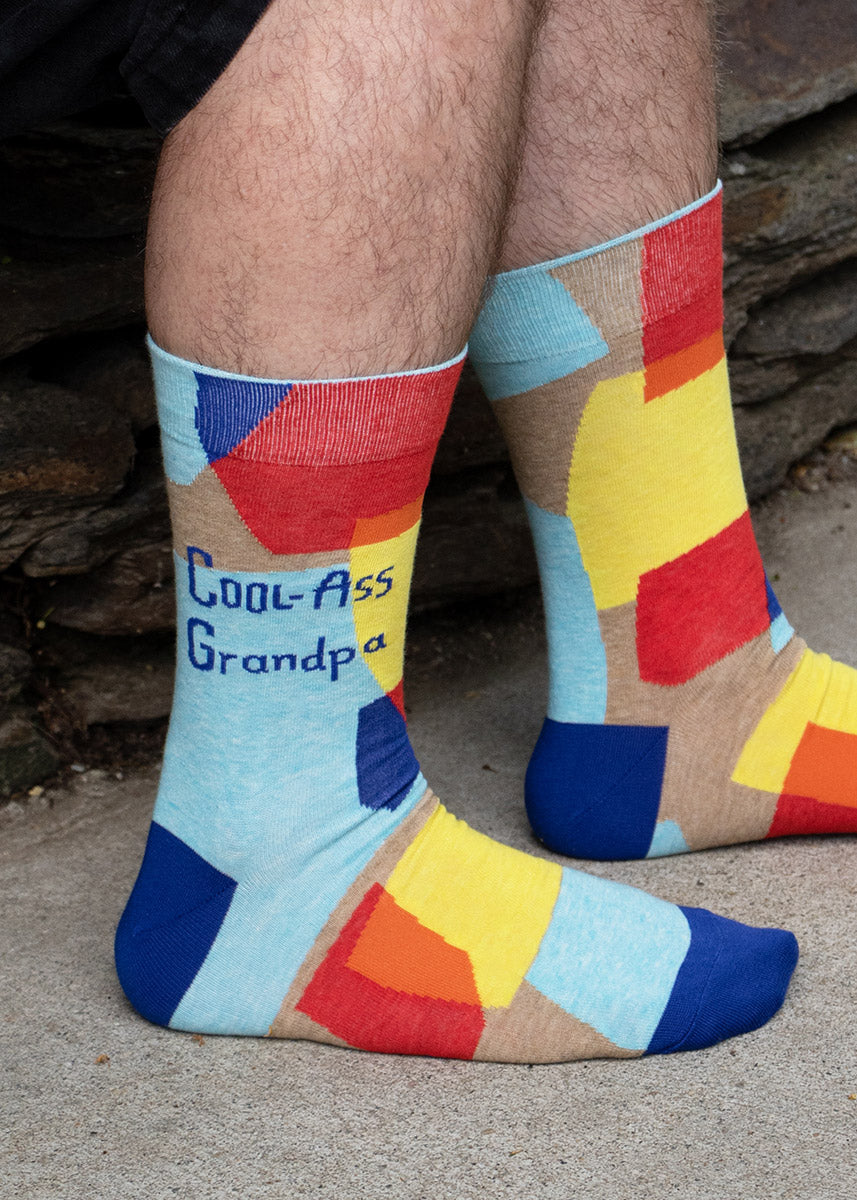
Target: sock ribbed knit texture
(300,879)
(683,712)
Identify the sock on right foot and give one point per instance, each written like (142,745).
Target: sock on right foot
(683,712)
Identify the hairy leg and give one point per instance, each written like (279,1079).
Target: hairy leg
(333,205)
(620,125)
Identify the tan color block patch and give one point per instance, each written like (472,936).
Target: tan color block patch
(291,1024)
(204,516)
(540,427)
(535,1030)
(723,815)
(608,287)
(721,707)
(710,719)
(630,701)
(303,1027)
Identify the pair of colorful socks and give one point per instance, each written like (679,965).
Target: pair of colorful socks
(300,878)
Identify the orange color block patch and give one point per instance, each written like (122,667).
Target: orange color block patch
(368,531)
(824,767)
(374,1017)
(674,370)
(396,951)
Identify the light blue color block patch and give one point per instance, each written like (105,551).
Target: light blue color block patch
(610,957)
(530,332)
(272,799)
(781,632)
(667,839)
(175,389)
(272,923)
(578,661)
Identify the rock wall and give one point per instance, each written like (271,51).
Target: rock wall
(86,607)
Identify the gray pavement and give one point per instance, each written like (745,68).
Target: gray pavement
(94,1102)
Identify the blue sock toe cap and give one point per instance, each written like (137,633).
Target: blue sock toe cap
(733,979)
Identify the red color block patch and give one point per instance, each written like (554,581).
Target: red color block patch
(397,695)
(681,279)
(352,420)
(303,509)
(371,1016)
(797,815)
(696,609)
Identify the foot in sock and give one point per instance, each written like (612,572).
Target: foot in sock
(300,879)
(683,711)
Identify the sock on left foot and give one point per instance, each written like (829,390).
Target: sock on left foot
(300,879)
(683,712)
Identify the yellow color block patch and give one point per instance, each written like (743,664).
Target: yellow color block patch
(381,581)
(486,898)
(816,685)
(649,481)
(838,709)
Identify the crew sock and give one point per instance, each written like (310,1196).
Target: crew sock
(300,878)
(683,711)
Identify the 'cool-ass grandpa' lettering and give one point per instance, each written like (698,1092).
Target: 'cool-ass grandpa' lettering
(257,597)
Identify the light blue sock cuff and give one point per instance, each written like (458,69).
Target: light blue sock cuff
(530,331)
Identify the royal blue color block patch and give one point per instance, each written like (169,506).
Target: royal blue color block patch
(386,764)
(593,791)
(733,979)
(781,631)
(170,922)
(227,410)
(774,608)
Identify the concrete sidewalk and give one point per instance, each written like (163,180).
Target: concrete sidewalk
(96,1103)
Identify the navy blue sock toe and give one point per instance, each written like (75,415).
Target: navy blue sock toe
(733,979)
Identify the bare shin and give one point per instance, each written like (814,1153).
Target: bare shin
(334,203)
(620,125)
